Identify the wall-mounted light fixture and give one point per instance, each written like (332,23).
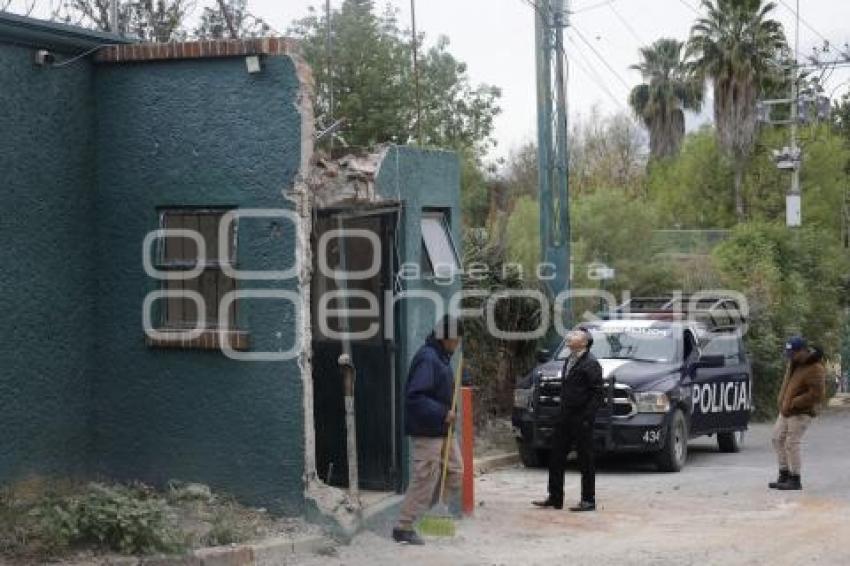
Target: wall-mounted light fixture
(252,62)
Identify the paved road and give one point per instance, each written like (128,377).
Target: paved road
(717,511)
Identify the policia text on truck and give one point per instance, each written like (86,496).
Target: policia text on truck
(665,382)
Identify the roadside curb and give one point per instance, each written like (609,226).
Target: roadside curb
(270,552)
(489,464)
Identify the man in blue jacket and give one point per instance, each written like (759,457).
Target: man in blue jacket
(428,413)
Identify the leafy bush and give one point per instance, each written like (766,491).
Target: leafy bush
(130,520)
(496,364)
(791,288)
(227,528)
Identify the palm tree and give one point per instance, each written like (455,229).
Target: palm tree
(736,46)
(667,91)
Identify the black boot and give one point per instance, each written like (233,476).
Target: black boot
(405,536)
(549,502)
(782,478)
(584,506)
(793,483)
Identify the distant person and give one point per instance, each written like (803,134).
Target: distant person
(428,404)
(582,392)
(801,393)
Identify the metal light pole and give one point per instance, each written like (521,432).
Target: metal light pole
(551,17)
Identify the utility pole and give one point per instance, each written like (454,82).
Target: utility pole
(551,18)
(793,201)
(789,158)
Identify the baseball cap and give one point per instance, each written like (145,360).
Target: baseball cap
(794,344)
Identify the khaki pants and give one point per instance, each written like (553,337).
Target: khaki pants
(425,477)
(787,436)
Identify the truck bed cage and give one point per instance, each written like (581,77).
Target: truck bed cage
(715,311)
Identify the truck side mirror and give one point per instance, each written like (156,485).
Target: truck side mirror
(543,356)
(711,361)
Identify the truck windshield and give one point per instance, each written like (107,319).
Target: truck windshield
(639,344)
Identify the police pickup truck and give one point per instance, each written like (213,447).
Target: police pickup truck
(666,381)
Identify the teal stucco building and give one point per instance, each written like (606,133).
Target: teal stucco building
(168,236)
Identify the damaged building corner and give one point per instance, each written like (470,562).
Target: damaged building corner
(389,192)
(347,181)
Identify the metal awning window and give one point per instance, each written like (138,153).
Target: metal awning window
(439,253)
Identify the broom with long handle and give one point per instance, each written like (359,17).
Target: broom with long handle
(438,521)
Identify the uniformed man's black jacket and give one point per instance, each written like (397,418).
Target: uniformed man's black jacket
(582,391)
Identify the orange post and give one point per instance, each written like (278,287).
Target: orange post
(466,448)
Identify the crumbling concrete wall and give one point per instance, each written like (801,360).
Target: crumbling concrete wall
(348,181)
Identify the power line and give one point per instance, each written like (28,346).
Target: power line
(626,23)
(805,23)
(591,73)
(593,6)
(690,7)
(601,58)
(535,6)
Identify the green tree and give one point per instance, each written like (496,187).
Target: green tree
(373,83)
(794,284)
(603,233)
(690,192)
(523,234)
(149,20)
(605,152)
(737,46)
(230,19)
(667,91)
(475,193)
(841,117)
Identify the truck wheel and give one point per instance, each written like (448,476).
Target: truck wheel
(730,442)
(675,452)
(531,457)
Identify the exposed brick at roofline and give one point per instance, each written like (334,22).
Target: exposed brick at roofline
(196,49)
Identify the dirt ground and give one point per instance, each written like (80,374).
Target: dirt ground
(716,511)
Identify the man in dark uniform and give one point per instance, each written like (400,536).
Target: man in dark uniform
(582,392)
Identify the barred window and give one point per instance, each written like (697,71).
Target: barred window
(181,253)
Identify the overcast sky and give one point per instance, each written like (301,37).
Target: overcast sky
(496,39)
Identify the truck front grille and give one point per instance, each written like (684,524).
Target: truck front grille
(549,396)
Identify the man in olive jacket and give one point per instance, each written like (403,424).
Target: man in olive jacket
(801,393)
(582,392)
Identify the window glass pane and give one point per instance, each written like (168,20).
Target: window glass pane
(208,228)
(190,307)
(438,244)
(174,305)
(726,346)
(179,249)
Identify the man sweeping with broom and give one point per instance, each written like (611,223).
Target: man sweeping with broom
(430,413)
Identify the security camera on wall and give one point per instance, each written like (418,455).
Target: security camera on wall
(43,58)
